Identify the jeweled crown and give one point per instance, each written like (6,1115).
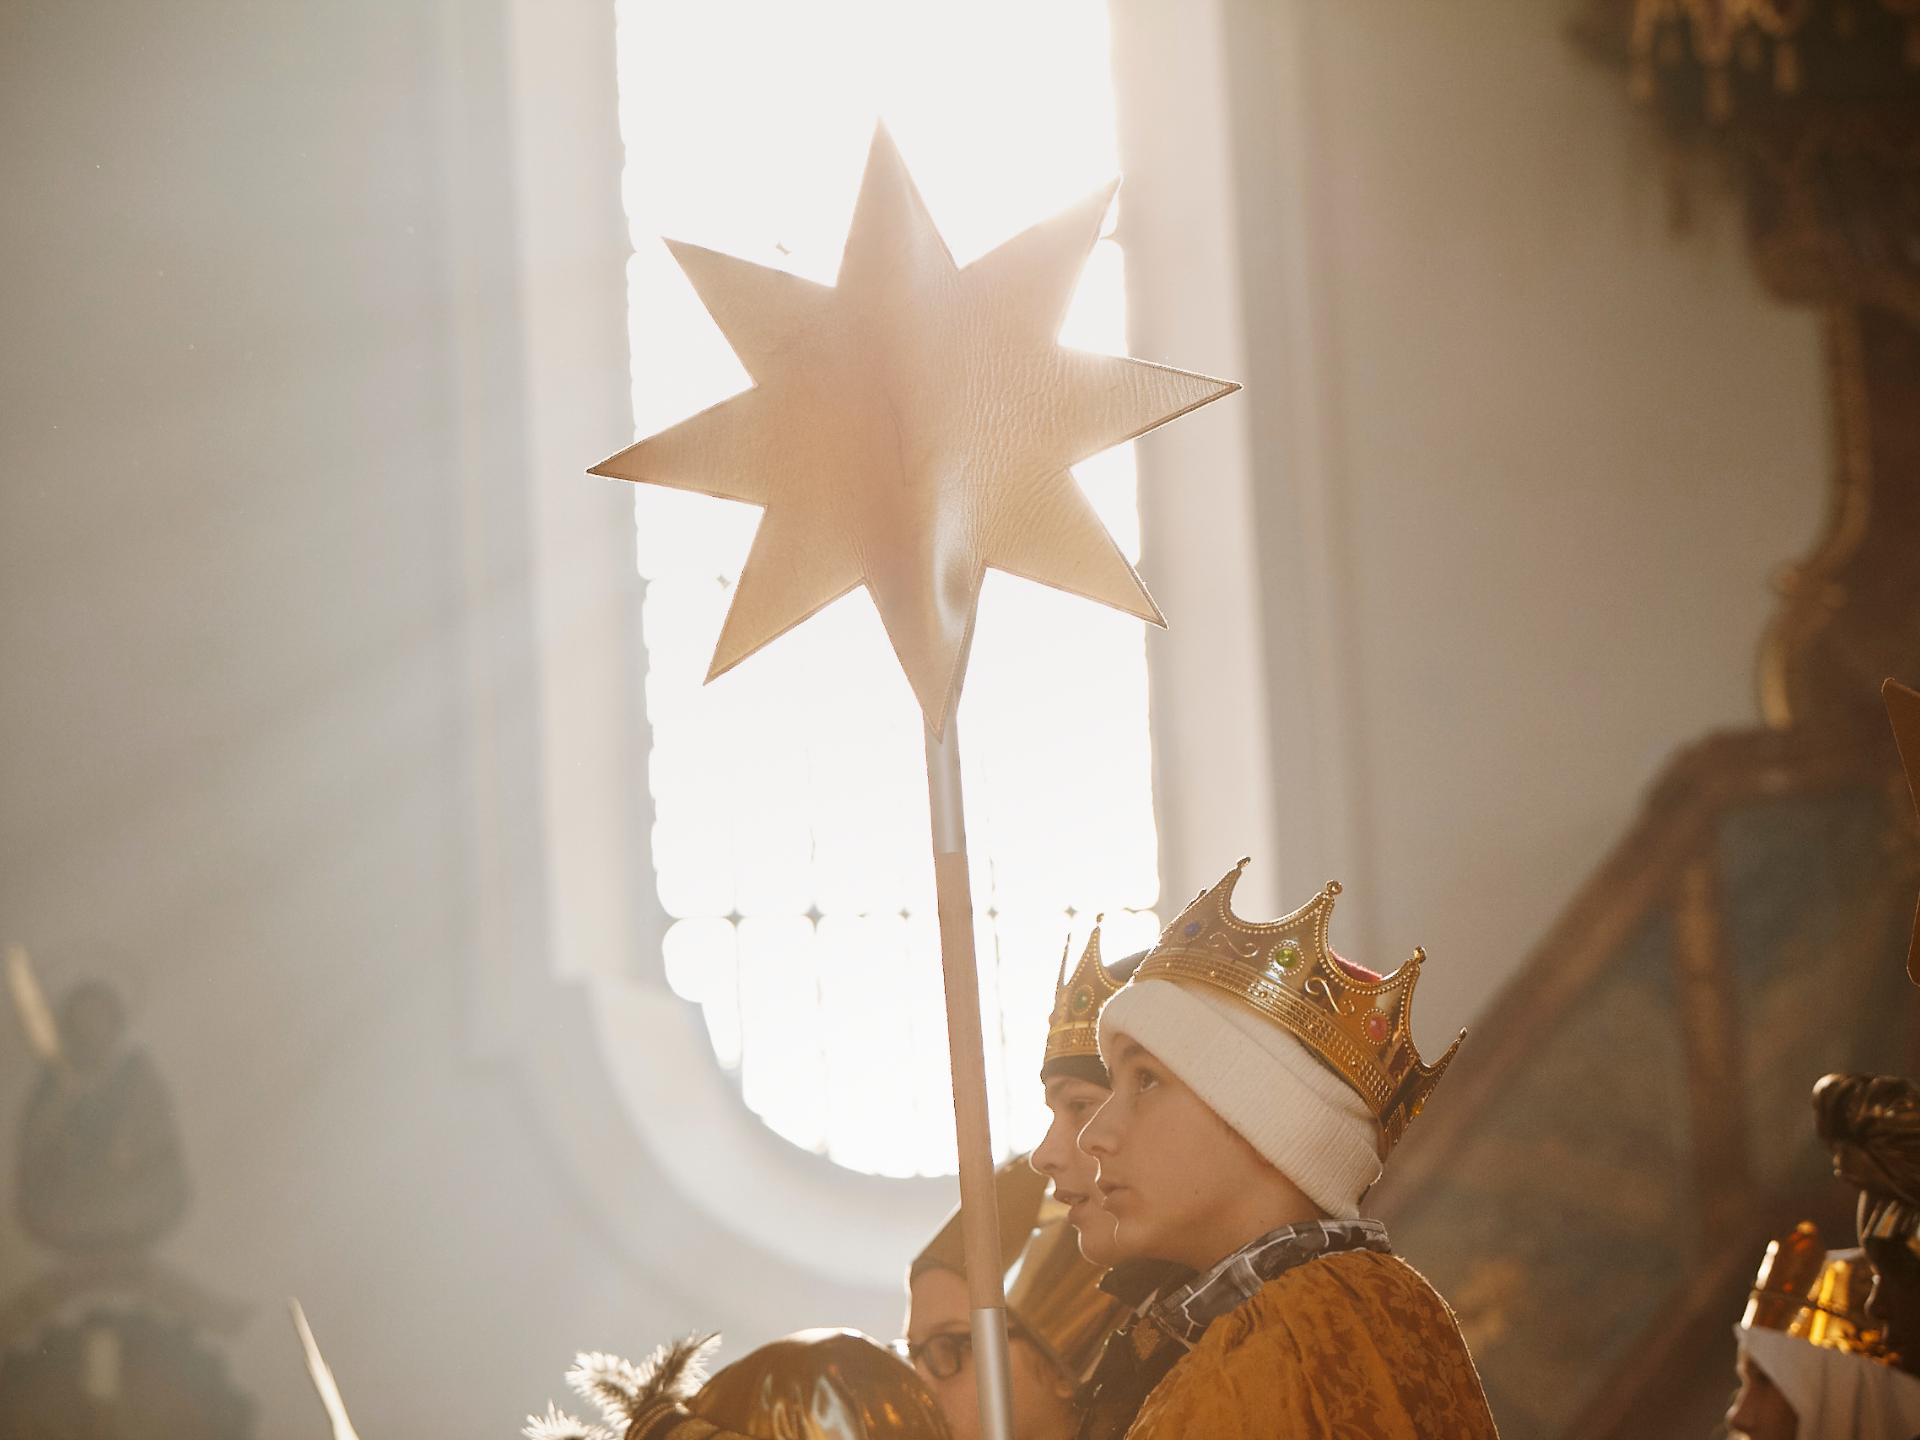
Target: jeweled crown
(1074,1026)
(1356,1023)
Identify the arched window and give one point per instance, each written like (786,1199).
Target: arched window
(790,826)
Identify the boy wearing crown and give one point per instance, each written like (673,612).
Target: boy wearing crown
(1076,1084)
(1063,1303)
(1258,1083)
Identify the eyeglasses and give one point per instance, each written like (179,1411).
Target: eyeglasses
(944,1355)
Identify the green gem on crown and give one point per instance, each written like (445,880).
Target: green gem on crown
(1082,1002)
(1287,956)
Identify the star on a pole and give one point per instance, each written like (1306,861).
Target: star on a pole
(910,426)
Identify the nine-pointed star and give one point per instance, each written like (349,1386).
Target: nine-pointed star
(910,426)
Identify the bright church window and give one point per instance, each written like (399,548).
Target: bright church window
(790,835)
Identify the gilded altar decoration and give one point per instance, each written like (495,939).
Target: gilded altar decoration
(1814,1294)
(1774,41)
(1814,108)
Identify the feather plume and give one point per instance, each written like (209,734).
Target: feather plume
(36,1015)
(555,1425)
(609,1381)
(321,1374)
(622,1389)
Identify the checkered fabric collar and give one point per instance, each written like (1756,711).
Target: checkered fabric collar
(1186,1313)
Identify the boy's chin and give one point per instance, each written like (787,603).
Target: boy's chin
(1131,1242)
(1100,1251)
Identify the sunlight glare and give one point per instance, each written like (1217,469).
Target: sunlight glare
(790,813)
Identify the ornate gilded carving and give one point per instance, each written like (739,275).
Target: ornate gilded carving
(1833,204)
(1850,611)
(1816,105)
(1741,931)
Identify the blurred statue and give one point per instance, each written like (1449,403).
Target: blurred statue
(1871,1123)
(107,1344)
(814,1385)
(114,1373)
(101,1168)
(1812,1362)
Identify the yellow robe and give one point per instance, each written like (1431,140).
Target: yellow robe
(1354,1346)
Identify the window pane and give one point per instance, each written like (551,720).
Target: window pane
(790,834)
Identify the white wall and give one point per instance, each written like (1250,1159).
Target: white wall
(247,400)
(1522,461)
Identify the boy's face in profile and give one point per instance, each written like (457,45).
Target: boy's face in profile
(1072,1102)
(1759,1411)
(1174,1175)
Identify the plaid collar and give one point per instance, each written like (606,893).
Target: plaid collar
(1137,1283)
(1185,1313)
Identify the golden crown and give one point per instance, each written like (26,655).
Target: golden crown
(1074,1026)
(1284,971)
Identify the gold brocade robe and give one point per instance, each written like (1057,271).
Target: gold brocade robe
(1354,1346)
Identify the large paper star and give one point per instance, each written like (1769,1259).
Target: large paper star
(910,426)
(1903,708)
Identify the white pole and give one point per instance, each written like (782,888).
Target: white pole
(979,1203)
